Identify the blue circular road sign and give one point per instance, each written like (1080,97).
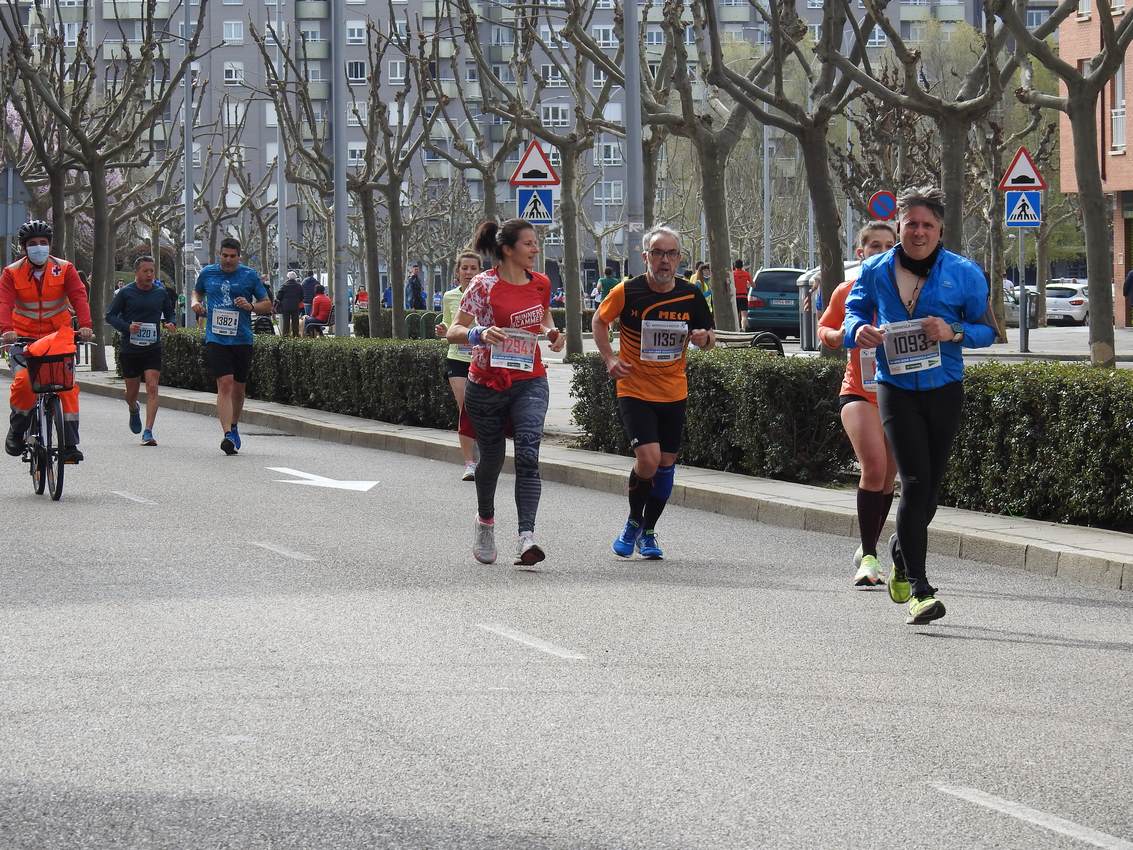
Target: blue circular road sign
(882,205)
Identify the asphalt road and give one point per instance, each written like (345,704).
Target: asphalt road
(195,654)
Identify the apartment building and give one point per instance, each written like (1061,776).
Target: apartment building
(1079,38)
(231,81)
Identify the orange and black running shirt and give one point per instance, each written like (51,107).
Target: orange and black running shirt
(654,335)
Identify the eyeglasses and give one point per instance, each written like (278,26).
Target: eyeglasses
(664,255)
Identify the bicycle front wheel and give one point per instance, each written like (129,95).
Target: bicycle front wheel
(37,462)
(53,440)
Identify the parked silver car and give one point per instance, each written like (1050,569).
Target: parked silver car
(1067,301)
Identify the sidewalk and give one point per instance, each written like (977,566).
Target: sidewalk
(1091,556)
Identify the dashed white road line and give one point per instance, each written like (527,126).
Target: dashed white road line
(141,500)
(287,553)
(1034,816)
(530,640)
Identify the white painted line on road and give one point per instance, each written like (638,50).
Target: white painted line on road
(530,640)
(1051,822)
(287,553)
(139,499)
(312,480)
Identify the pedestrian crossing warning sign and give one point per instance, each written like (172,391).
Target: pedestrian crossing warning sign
(536,206)
(1023,209)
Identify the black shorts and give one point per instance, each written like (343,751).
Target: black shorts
(653,422)
(137,362)
(234,360)
(850,398)
(456,368)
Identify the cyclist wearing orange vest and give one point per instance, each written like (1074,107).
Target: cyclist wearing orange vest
(37,295)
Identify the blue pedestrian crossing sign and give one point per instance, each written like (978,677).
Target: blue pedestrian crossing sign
(1023,209)
(535,205)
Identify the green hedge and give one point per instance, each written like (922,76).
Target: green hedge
(748,412)
(1047,441)
(389,380)
(385,320)
(558,314)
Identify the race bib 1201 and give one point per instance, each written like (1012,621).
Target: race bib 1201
(908,348)
(517,351)
(225,322)
(869,369)
(146,334)
(663,341)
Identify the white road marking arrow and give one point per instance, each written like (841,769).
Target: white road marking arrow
(319,481)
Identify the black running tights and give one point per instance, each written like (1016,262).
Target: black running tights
(920,426)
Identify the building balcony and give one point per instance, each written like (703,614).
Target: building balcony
(449,88)
(121,50)
(439,170)
(949,12)
(500,53)
(734,14)
(314,49)
(312,10)
(915,13)
(442,9)
(126,11)
(496,132)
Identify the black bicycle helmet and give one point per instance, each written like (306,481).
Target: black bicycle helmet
(32,229)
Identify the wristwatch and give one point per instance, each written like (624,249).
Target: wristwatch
(957,332)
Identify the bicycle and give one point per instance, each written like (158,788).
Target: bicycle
(49,375)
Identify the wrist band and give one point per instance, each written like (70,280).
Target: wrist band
(474,334)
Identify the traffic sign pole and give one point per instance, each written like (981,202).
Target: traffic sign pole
(1024,304)
(1023,186)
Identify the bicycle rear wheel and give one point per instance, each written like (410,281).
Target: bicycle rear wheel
(53,439)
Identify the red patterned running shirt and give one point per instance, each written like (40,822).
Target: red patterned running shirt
(491,300)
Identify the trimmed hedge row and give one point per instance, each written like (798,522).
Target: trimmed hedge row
(389,380)
(748,412)
(385,321)
(1046,441)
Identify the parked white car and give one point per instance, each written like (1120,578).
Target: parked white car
(1067,300)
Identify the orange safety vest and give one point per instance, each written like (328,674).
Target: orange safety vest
(41,306)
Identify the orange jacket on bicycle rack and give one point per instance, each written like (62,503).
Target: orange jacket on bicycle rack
(35,308)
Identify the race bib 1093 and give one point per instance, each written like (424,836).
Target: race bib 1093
(908,348)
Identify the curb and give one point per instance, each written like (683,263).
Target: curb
(1007,542)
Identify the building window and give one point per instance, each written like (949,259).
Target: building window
(355,153)
(913,32)
(356,72)
(553,77)
(233,114)
(608,153)
(1084,7)
(197,154)
(814,4)
(1035,17)
(233,2)
(608,193)
(504,73)
(234,73)
(471,74)
(396,70)
(431,154)
(877,38)
(1117,114)
(654,36)
(310,32)
(355,32)
(609,4)
(555,157)
(605,37)
(503,35)
(315,72)
(233,32)
(597,76)
(358,114)
(271,117)
(71,34)
(690,35)
(556,116)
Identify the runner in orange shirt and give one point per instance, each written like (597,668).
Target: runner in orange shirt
(857,400)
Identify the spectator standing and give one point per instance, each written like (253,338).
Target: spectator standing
(741,277)
(309,284)
(387,296)
(606,283)
(288,304)
(414,290)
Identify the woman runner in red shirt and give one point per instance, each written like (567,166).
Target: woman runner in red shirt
(502,314)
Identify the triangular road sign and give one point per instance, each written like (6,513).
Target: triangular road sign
(1022,174)
(534,168)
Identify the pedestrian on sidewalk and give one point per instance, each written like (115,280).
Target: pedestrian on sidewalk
(659,315)
(459,357)
(857,403)
(919,305)
(414,289)
(502,314)
(289,304)
(309,284)
(138,312)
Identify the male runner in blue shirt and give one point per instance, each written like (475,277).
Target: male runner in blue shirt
(228,293)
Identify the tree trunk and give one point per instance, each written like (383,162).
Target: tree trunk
(370,245)
(953,148)
(155,245)
(568,210)
(392,195)
(102,266)
(57,178)
(827,220)
(491,204)
(1082,109)
(713,160)
(649,150)
(997,265)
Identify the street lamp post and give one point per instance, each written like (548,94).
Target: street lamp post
(338,130)
(635,201)
(188,250)
(280,169)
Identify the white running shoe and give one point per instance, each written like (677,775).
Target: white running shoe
(484,542)
(469,472)
(527,551)
(869,573)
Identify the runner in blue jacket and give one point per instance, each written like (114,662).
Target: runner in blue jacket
(929,304)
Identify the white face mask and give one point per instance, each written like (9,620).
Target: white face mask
(38,254)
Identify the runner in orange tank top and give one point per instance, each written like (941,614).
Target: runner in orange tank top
(857,400)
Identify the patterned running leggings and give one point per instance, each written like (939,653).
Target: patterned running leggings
(525,402)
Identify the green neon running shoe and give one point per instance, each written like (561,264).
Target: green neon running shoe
(858,555)
(899,588)
(924,609)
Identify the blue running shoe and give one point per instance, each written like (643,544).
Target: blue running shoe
(235,436)
(648,546)
(136,419)
(623,544)
(147,438)
(227,445)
